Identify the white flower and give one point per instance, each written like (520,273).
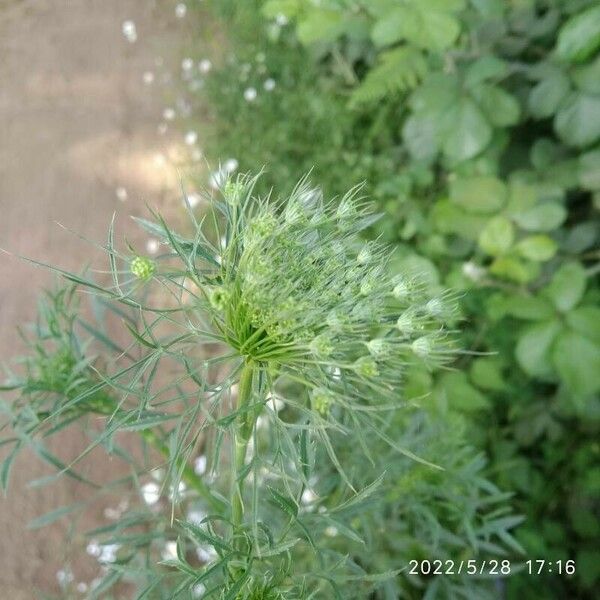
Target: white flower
(269,84)
(196,517)
(170,551)
(250,94)
(473,271)
(196,154)
(151,493)
(152,246)
(162,128)
(198,590)
(82,587)
(193,199)
(129,31)
(187,64)
(205,553)
(180,10)
(64,577)
(200,465)
(217,179)
(275,403)
(231,164)
(331,531)
(108,553)
(204,66)
(93,549)
(121,194)
(169,114)
(191,137)
(148,77)
(281,20)
(308,496)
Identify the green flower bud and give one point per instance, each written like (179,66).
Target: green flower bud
(233,192)
(406,322)
(321,401)
(378,347)
(143,268)
(435,308)
(400,290)
(366,367)
(219,298)
(365,255)
(422,347)
(322,346)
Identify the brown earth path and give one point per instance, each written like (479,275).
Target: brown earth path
(76,123)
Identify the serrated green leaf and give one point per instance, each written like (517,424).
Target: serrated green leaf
(397,70)
(286,504)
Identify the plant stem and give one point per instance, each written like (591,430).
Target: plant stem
(241,436)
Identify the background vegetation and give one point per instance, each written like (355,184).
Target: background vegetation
(475,126)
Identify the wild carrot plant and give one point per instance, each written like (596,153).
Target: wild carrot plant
(271,343)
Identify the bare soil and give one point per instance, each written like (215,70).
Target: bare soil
(76,123)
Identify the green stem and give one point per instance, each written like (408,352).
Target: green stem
(241,436)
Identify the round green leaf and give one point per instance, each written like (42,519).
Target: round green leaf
(586,321)
(510,267)
(479,194)
(497,237)
(461,394)
(579,37)
(537,247)
(577,122)
(543,217)
(546,96)
(486,373)
(533,348)
(589,170)
(587,77)
(468,131)
(577,360)
(567,286)
(530,308)
(501,108)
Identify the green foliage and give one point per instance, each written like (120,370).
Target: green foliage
(476,127)
(234,330)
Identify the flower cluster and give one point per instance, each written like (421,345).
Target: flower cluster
(295,287)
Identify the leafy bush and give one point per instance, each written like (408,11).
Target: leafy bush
(275,338)
(476,127)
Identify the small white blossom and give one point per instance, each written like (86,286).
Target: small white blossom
(200,465)
(198,590)
(152,246)
(281,20)
(187,64)
(148,77)
(169,114)
(121,194)
(204,66)
(108,553)
(129,31)
(170,551)
(64,577)
(205,553)
(82,587)
(250,94)
(269,84)
(196,517)
(180,10)
(331,531)
(231,164)
(151,493)
(191,137)
(93,549)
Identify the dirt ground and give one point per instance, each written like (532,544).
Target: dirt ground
(77,122)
